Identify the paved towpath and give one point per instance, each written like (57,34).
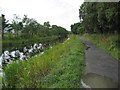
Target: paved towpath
(100,62)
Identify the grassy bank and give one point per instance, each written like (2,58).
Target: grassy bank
(19,43)
(0,81)
(61,66)
(108,42)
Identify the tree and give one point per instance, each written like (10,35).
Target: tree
(77,28)
(27,28)
(59,31)
(47,24)
(30,27)
(17,25)
(99,17)
(4,25)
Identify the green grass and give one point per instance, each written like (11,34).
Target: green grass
(20,43)
(108,42)
(61,66)
(0,81)
(69,70)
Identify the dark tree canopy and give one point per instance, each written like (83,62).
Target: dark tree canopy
(77,28)
(98,17)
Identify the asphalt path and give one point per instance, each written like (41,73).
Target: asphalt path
(100,62)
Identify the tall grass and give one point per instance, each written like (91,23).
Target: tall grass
(108,42)
(68,72)
(38,70)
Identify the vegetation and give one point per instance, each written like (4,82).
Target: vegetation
(20,43)
(67,73)
(27,31)
(0,81)
(108,42)
(4,24)
(98,17)
(77,28)
(61,66)
(99,22)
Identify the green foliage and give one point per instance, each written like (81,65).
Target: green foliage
(68,71)
(0,81)
(29,28)
(99,17)
(77,28)
(28,31)
(47,24)
(61,65)
(19,43)
(4,24)
(16,25)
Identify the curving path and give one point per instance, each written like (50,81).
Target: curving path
(100,62)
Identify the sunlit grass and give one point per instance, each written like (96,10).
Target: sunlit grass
(67,57)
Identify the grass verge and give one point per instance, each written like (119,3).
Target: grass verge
(108,42)
(59,67)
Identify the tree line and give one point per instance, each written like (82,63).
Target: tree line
(24,32)
(102,17)
(28,28)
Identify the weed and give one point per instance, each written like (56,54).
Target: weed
(60,66)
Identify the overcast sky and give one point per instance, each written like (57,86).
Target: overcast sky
(57,12)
